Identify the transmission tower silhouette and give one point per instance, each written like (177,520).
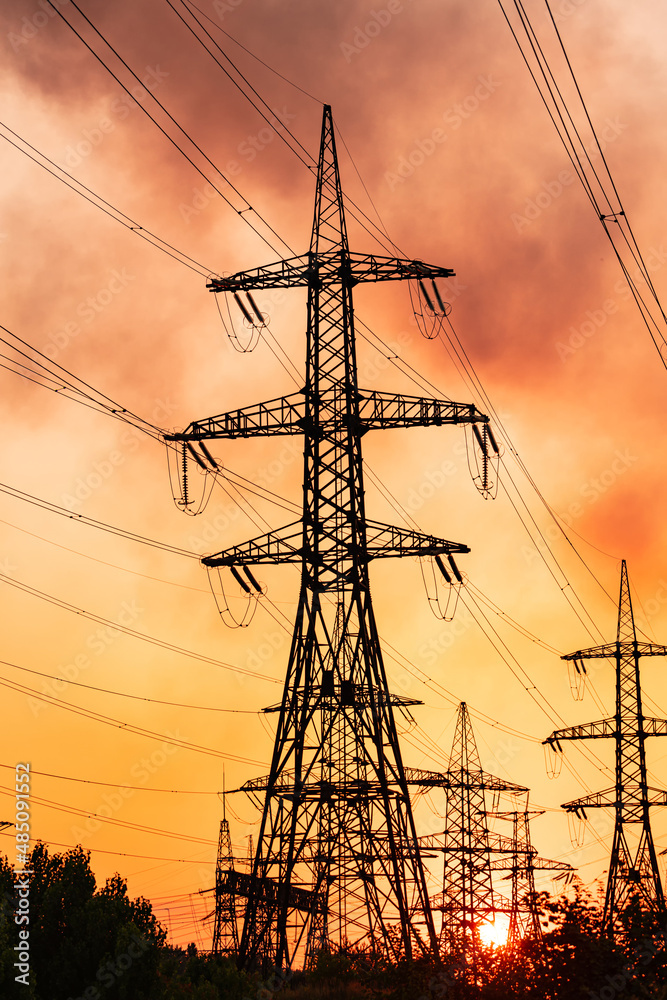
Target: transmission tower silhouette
(633,871)
(473,853)
(467,898)
(336,859)
(517,856)
(225,931)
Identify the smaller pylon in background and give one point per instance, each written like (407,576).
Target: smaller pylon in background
(225,932)
(467,900)
(518,857)
(633,870)
(467,889)
(470,902)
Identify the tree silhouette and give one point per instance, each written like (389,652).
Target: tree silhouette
(84,942)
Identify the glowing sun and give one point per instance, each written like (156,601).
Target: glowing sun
(494,932)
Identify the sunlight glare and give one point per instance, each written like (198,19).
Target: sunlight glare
(494,932)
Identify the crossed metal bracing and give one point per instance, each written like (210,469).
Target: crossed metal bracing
(337,779)
(519,858)
(472,853)
(633,868)
(467,899)
(225,931)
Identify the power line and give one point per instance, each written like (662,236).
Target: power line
(612,216)
(114,213)
(126,726)
(252,54)
(26,588)
(112,784)
(125,694)
(125,824)
(241,212)
(119,854)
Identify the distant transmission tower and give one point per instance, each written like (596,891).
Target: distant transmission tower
(517,856)
(633,871)
(467,900)
(225,932)
(336,856)
(473,854)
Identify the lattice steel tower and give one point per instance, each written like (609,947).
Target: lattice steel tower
(225,932)
(517,856)
(336,856)
(632,871)
(467,900)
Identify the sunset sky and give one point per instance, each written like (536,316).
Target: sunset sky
(445,145)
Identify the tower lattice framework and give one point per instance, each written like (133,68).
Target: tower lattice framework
(475,856)
(467,899)
(336,856)
(225,931)
(517,856)
(633,870)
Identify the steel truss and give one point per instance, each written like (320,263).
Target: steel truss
(337,823)
(225,932)
(473,853)
(632,871)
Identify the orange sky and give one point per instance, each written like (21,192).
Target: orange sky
(443,79)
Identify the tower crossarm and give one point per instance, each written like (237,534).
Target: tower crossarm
(614,649)
(605,727)
(382,410)
(587,731)
(284,415)
(313,788)
(546,865)
(285,545)
(362,697)
(453,779)
(317,269)
(501,844)
(269,890)
(385,540)
(291,273)
(484,781)
(654,727)
(370,267)
(425,779)
(608,799)
(536,864)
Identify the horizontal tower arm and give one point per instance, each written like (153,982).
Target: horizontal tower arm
(369,267)
(611,649)
(606,727)
(587,731)
(608,799)
(452,779)
(277,416)
(382,410)
(385,541)
(302,271)
(285,545)
(286,415)
(533,863)
(282,546)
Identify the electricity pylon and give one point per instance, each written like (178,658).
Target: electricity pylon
(336,855)
(467,887)
(225,931)
(517,856)
(467,899)
(632,872)
(473,853)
